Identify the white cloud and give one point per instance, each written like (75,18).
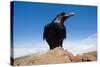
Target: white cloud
(39,48)
(18,52)
(82,46)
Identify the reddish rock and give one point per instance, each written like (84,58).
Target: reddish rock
(77,58)
(88,57)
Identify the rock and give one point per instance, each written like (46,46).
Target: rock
(88,57)
(84,58)
(54,56)
(77,58)
(71,56)
(57,55)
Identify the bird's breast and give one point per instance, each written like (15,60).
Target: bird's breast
(55,32)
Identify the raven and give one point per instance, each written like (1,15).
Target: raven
(55,32)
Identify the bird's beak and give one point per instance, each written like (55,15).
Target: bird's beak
(70,14)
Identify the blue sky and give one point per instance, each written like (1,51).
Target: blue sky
(30,18)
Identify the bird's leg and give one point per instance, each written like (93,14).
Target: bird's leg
(51,47)
(61,46)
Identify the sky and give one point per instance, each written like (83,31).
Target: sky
(31,17)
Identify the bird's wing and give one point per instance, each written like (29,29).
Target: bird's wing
(64,32)
(45,32)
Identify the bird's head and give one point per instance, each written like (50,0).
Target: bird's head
(67,14)
(63,16)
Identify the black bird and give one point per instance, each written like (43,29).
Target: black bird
(55,32)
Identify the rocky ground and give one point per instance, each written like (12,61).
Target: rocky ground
(55,56)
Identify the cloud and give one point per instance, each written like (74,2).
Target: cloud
(82,46)
(18,52)
(37,49)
